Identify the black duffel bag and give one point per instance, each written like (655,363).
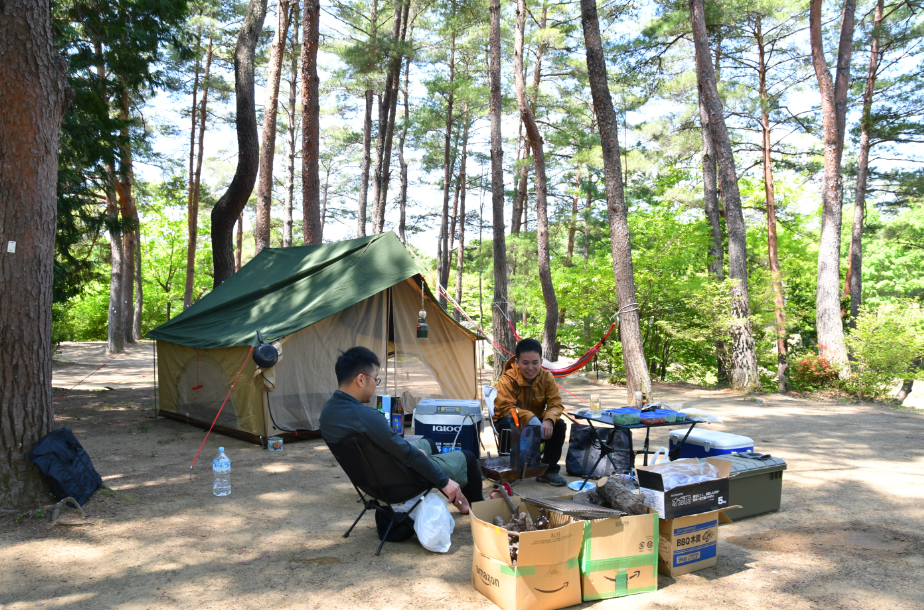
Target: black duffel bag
(68,467)
(582,454)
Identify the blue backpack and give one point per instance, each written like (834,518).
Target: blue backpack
(68,467)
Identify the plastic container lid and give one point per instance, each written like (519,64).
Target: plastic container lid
(712,438)
(221,448)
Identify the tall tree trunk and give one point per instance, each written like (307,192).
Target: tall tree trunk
(711,206)
(500,310)
(131,230)
(828,321)
(33,97)
(231,205)
(311,125)
(388,113)
(261,232)
(402,197)
(519,201)
(367,141)
(443,251)
(630,333)
(743,354)
(324,200)
(195,180)
(460,258)
(115,336)
(779,303)
(572,228)
(550,328)
(139,285)
(191,219)
(291,129)
(239,250)
(854,283)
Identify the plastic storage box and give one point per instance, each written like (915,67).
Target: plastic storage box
(756,485)
(709,443)
(442,419)
(626,416)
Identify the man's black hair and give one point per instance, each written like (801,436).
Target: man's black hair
(528,345)
(354,361)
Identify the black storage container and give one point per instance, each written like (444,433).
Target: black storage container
(754,484)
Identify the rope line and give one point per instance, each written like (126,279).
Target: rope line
(220,408)
(88,376)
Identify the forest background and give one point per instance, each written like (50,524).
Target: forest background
(149,146)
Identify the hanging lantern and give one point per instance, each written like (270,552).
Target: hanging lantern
(423,331)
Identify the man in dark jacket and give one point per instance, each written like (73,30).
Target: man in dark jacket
(528,395)
(346,415)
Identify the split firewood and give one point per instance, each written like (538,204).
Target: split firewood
(499,521)
(542,522)
(590,496)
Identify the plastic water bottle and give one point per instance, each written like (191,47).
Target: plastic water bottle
(221,467)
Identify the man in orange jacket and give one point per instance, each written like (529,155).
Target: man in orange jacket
(528,394)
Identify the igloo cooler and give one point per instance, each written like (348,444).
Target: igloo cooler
(451,424)
(709,443)
(755,484)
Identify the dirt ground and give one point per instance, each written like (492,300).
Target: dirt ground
(849,534)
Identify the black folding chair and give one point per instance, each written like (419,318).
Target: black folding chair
(377,474)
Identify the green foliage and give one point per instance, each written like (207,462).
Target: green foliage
(887,346)
(812,372)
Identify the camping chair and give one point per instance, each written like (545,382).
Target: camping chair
(377,474)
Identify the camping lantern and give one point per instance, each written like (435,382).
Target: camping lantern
(423,331)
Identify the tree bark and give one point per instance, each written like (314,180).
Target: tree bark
(238,251)
(443,252)
(324,199)
(522,173)
(192,208)
(630,335)
(231,205)
(503,337)
(130,229)
(139,285)
(311,125)
(34,94)
(364,171)
(191,219)
(261,232)
(460,256)
(402,197)
(776,276)
(550,328)
(828,321)
(854,283)
(291,129)
(743,354)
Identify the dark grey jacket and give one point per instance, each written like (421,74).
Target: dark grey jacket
(343,416)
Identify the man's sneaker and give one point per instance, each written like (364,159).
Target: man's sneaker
(553,479)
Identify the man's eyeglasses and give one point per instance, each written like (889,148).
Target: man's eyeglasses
(377,380)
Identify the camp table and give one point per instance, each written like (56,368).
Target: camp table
(606,450)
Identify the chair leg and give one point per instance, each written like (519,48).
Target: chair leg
(365,508)
(384,538)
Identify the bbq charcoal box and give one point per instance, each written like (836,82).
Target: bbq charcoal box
(684,500)
(546,575)
(689,543)
(619,556)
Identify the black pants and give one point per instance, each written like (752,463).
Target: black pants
(473,489)
(553,445)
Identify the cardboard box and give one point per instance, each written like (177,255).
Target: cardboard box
(546,576)
(619,557)
(685,500)
(689,543)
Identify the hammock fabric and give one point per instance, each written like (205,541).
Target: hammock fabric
(580,362)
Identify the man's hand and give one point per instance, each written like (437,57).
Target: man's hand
(456,498)
(547,427)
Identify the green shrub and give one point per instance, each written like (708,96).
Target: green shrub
(886,346)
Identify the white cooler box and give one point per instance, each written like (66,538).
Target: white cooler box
(709,443)
(452,424)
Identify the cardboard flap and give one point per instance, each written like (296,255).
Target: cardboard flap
(546,547)
(491,540)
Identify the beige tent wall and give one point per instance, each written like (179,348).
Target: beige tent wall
(305,377)
(193,383)
(441,366)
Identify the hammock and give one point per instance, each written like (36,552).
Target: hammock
(577,364)
(559,373)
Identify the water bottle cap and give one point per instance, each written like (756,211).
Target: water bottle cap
(221,448)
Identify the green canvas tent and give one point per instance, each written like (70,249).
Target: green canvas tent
(312,302)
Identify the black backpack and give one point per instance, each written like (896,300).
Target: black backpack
(68,467)
(582,455)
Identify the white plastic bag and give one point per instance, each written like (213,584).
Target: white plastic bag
(433,524)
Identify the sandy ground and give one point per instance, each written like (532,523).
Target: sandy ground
(848,535)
